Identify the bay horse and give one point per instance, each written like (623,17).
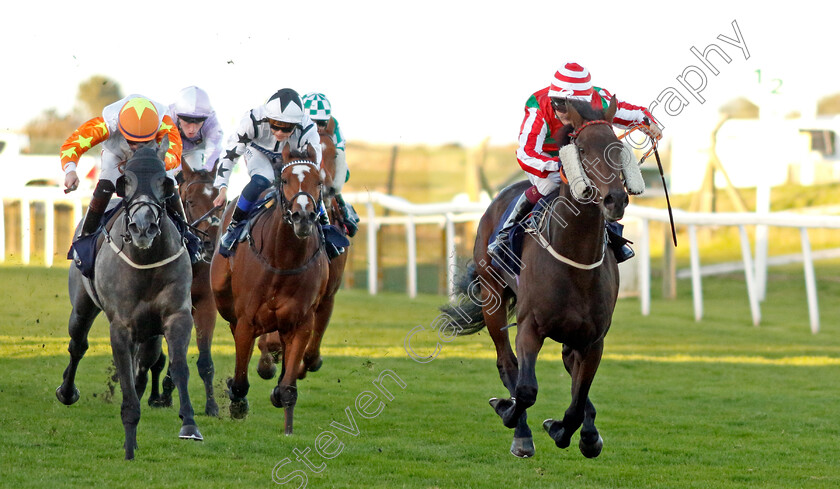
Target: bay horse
(142,281)
(568,284)
(276,280)
(269,344)
(197,194)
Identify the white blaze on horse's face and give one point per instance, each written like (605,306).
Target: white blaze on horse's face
(300,171)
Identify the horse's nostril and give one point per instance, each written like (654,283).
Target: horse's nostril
(153,229)
(609,200)
(132,227)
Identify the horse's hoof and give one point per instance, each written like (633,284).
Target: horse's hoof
(591,450)
(67,401)
(211,409)
(505,408)
(557,432)
(160,402)
(239,409)
(190,432)
(522,447)
(316,366)
(284,397)
(266,368)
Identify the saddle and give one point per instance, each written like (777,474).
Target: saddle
(512,257)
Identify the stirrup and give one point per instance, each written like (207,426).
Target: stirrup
(493,247)
(332,250)
(623,253)
(351,219)
(227,243)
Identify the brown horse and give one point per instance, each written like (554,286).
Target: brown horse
(275,281)
(567,287)
(197,194)
(269,344)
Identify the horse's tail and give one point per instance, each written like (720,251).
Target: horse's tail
(466,313)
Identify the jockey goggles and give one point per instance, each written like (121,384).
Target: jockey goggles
(281,126)
(191,120)
(558,104)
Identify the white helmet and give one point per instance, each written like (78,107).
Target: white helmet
(192,102)
(285,106)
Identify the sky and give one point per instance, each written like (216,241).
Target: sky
(430,72)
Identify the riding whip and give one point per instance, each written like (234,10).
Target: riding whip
(664,186)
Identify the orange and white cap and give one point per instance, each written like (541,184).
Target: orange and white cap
(571,81)
(139,120)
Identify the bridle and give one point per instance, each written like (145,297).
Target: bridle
(286,204)
(207,216)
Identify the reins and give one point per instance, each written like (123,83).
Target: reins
(546,244)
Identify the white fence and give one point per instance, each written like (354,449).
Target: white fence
(447,214)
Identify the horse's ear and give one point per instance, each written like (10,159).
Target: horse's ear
(574,116)
(610,113)
(186,169)
(310,150)
(120,186)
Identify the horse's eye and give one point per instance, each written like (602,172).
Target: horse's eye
(581,151)
(283,181)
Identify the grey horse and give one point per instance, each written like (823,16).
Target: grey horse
(142,279)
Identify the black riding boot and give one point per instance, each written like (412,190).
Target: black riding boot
(351,219)
(521,209)
(228,241)
(175,208)
(96,209)
(618,244)
(331,249)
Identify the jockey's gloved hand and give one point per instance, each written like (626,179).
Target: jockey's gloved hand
(555,177)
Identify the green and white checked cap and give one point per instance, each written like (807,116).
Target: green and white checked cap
(316,106)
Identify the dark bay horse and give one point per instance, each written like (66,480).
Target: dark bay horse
(197,194)
(275,281)
(568,284)
(269,344)
(142,282)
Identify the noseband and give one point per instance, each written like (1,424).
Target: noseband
(286,204)
(132,208)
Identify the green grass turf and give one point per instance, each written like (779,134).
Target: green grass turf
(718,403)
